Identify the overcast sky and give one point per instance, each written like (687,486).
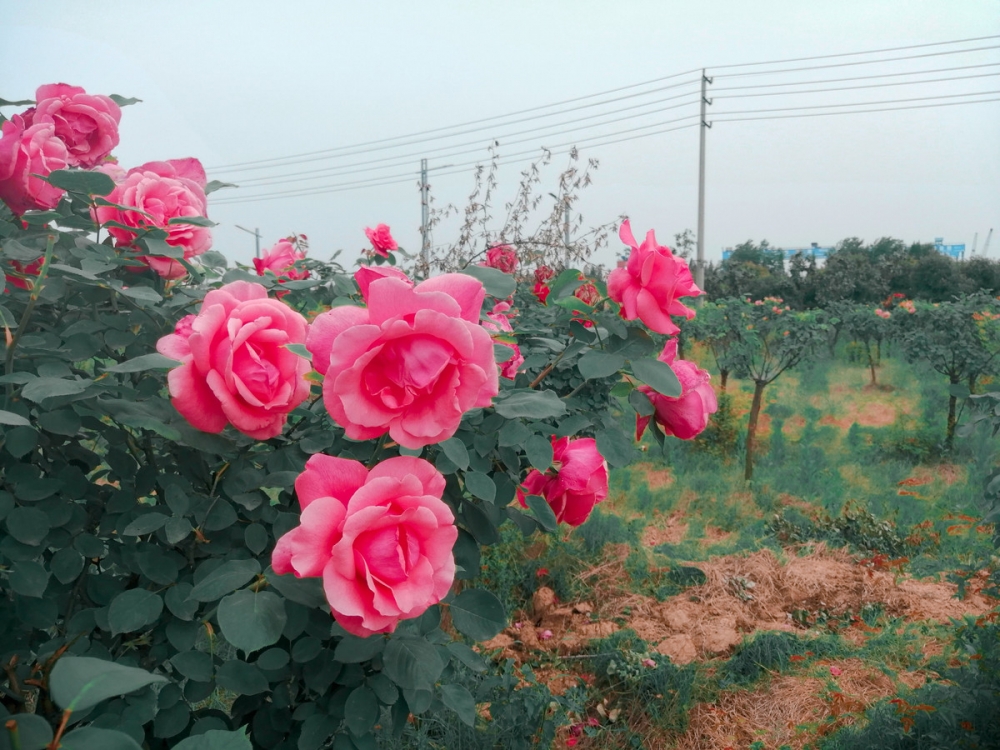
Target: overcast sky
(242,81)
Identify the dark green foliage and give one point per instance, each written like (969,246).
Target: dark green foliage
(771,652)
(855,526)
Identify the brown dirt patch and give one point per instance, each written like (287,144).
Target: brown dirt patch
(949,473)
(672,531)
(867,414)
(655,477)
(715,535)
(788,710)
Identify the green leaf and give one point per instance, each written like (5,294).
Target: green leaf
(123,101)
(481,485)
(542,512)
(66,565)
(252,621)
(641,403)
(28,525)
(573,304)
(133,610)
(513,433)
(214,185)
(615,447)
(81,181)
(300,349)
(61,422)
(361,710)
(531,404)
(195,665)
(80,682)
(460,700)
(467,656)
(456,452)
(21,252)
(10,418)
(95,738)
(20,441)
(354,650)
(657,375)
(497,283)
(412,663)
(143,363)
(226,578)
(565,283)
(539,452)
(478,614)
(19,103)
(305,591)
(40,389)
(595,364)
(35,732)
(216,739)
(197,221)
(147,523)
(241,678)
(29,578)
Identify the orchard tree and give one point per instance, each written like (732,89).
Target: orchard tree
(869,327)
(770,340)
(959,339)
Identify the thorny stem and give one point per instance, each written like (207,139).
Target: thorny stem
(54,745)
(548,368)
(36,290)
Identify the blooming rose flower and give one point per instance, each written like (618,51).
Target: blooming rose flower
(381,539)
(86,123)
(587,293)
(280,260)
(502,257)
(544,274)
(27,150)
(235,368)
(22,271)
(884,314)
(541,291)
(650,285)
(683,416)
(410,364)
(365,275)
(381,239)
(499,323)
(163,190)
(575,484)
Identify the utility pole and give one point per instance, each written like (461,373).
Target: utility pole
(699,268)
(256,236)
(425,230)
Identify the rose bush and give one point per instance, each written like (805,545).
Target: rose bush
(281,260)
(685,416)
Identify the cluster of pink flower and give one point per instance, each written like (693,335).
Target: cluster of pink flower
(884,314)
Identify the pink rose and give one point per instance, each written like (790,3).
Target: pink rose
(163,190)
(502,257)
(575,484)
(280,260)
(587,293)
(86,123)
(381,239)
(410,364)
(541,291)
(650,285)
(235,368)
(499,323)
(22,271)
(543,274)
(365,275)
(381,539)
(27,150)
(683,416)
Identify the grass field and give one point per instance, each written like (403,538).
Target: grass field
(815,607)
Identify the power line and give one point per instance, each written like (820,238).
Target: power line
(854,62)
(857,104)
(859,111)
(329,171)
(864,52)
(853,78)
(285,160)
(855,88)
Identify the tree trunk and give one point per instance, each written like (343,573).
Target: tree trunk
(758,393)
(871,364)
(972,383)
(950,432)
(878,351)
(725,379)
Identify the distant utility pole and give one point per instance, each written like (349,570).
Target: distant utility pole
(425,230)
(256,236)
(699,268)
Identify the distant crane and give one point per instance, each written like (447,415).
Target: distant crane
(986,245)
(975,239)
